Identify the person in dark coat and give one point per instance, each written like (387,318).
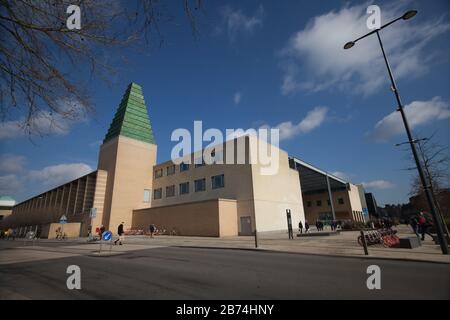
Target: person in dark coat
(152,230)
(120,233)
(300,227)
(306,226)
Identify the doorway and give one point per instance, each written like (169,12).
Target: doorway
(246,226)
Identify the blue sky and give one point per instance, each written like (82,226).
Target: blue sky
(269,63)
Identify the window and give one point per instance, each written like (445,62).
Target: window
(200,185)
(157,193)
(308,204)
(184,167)
(328,202)
(218,181)
(184,188)
(147,195)
(170,191)
(341,201)
(319,203)
(170,170)
(158,173)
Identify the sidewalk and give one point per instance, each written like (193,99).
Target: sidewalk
(343,244)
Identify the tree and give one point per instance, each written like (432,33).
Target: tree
(40,55)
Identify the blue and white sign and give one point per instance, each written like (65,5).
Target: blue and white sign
(107,235)
(63,219)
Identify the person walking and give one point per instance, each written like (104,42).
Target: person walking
(300,227)
(306,226)
(152,230)
(424,226)
(414,225)
(120,233)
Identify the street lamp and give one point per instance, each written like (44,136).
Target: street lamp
(437,222)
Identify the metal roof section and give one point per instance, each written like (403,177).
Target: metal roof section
(313,179)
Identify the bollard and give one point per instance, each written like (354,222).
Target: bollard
(366,252)
(256,239)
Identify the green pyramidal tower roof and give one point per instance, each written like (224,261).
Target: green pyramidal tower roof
(131,119)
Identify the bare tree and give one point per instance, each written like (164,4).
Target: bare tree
(39,54)
(436,164)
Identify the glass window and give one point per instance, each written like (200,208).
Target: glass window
(218,181)
(341,201)
(170,191)
(200,185)
(170,170)
(147,195)
(184,167)
(184,188)
(157,193)
(158,173)
(319,203)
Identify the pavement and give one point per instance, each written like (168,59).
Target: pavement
(343,244)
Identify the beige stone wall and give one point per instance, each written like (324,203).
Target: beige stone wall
(212,218)
(5,213)
(355,202)
(343,211)
(273,194)
(129,165)
(71,230)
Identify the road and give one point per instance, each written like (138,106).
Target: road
(199,273)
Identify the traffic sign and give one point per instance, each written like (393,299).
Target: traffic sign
(107,235)
(63,219)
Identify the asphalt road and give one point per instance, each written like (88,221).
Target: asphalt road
(194,273)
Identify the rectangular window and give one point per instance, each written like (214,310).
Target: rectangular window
(308,204)
(341,201)
(147,195)
(200,185)
(170,191)
(319,203)
(184,188)
(170,170)
(184,167)
(218,181)
(157,193)
(158,173)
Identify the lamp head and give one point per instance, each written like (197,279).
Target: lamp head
(349,45)
(409,14)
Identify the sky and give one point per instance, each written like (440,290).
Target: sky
(268,63)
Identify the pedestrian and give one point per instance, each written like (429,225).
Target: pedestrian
(152,230)
(120,233)
(300,227)
(414,225)
(102,229)
(306,226)
(424,226)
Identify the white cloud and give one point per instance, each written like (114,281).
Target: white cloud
(10,184)
(236,22)
(55,175)
(237,98)
(317,50)
(10,163)
(378,185)
(417,112)
(342,175)
(313,119)
(45,122)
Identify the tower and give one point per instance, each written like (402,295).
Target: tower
(128,154)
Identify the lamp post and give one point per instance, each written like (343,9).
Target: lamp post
(437,222)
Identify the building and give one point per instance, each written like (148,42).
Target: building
(217,199)
(6,206)
(327,197)
(371,204)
